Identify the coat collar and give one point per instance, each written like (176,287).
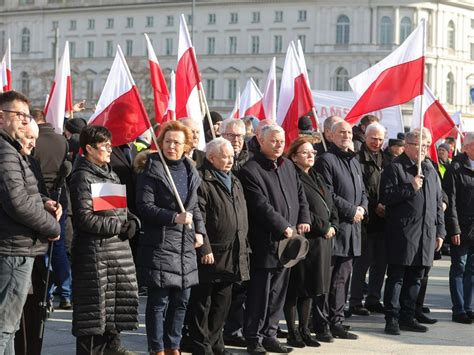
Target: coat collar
(367,156)
(16,144)
(338,152)
(266,163)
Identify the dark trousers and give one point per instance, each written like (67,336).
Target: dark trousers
(208,308)
(401,290)
(420,300)
(265,300)
(94,344)
(461,278)
(320,312)
(235,319)
(372,259)
(341,271)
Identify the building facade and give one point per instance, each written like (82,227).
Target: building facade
(235,40)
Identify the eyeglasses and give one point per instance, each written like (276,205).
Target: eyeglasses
(423,146)
(175,143)
(21,115)
(104,147)
(233,136)
(307,152)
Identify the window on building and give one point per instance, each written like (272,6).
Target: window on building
(450,89)
(232,45)
(72,25)
(343,29)
(277,44)
(169,46)
(110,23)
(212,19)
(25,40)
(211,45)
(129,22)
(190,20)
(54,25)
(255,45)
(256,17)
(386,30)
(25,83)
(90,89)
(451,35)
(472,51)
(2,41)
(150,21)
(90,49)
(169,21)
(109,48)
(129,47)
(26,2)
(302,15)
(302,39)
(342,80)
(231,89)
(405,28)
(278,16)
(210,88)
(234,17)
(72,49)
(91,24)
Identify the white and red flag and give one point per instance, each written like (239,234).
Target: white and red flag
(235,113)
(171,109)
(161,94)
(251,103)
(269,94)
(120,107)
(6,69)
(60,96)
(396,79)
(108,196)
(296,99)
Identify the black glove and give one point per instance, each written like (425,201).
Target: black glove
(128,231)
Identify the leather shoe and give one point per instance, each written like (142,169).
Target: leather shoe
(308,339)
(376,308)
(235,340)
(347,327)
(338,331)
(325,336)
(282,334)
(470,314)
(413,326)
(422,318)
(462,318)
(359,310)
(256,349)
(274,346)
(425,309)
(294,339)
(392,327)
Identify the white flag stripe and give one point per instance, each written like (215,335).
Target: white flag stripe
(151,52)
(287,86)
(108,189)
(427,100)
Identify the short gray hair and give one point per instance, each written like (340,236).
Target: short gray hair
(468,138)
(336,125)
(415,135)
(216,144)
(232,122)
(270,129)
(330,121)
(375,126)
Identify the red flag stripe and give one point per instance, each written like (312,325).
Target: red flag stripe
(103,203)
(187,77)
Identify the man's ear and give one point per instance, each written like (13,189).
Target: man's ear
(89,149)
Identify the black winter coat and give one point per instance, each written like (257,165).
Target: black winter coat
(24,223)
(275,201)
(342,174)
(225,216)
(103,274)
(312,276)
(239,161)
(166,254)
(413,220)
(124,170)
(458,183)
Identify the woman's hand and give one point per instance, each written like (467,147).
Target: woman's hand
(184,218)
(199,240)
(207,259)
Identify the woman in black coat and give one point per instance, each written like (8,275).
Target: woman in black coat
(103,274)
(311,277)
(166,261)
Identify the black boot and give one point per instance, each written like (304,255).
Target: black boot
(294,338)
(308,339)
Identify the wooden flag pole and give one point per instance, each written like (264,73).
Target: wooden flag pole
(421,104)
(323,140)
(202,96)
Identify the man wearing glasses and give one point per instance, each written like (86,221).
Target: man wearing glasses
(234,131)
(27,220)
(414,229)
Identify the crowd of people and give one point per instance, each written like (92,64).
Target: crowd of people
(225,242)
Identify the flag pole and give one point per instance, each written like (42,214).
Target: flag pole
(421,101)
(202,96)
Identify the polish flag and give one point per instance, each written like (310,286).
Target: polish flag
(161,94)
(170,114)
(60,96)
(235,113)
(269,94)
(6,69)
(251,101)
(120,107)
(108,196)
(434,116)
(296,99)
(394,80)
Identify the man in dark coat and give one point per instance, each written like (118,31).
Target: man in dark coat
(327,126)
(27,220)
(224,257)
(234,131)
(414,229)
(342,173)
(275,202)
(195,154)
(458,184)
(373,244)
(358,132)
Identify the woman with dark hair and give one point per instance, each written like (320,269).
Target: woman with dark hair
(104,278)
(166,261)
(311,277)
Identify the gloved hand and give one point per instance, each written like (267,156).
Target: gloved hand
(128,231)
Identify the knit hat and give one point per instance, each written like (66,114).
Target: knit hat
(397,142)
(305,124)
(444,146)
(75,125)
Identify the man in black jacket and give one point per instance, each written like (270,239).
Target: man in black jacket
(458,184)
(234,131)
(342,173)
(275,202)
(27,221)
(414,229)
(327,126)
